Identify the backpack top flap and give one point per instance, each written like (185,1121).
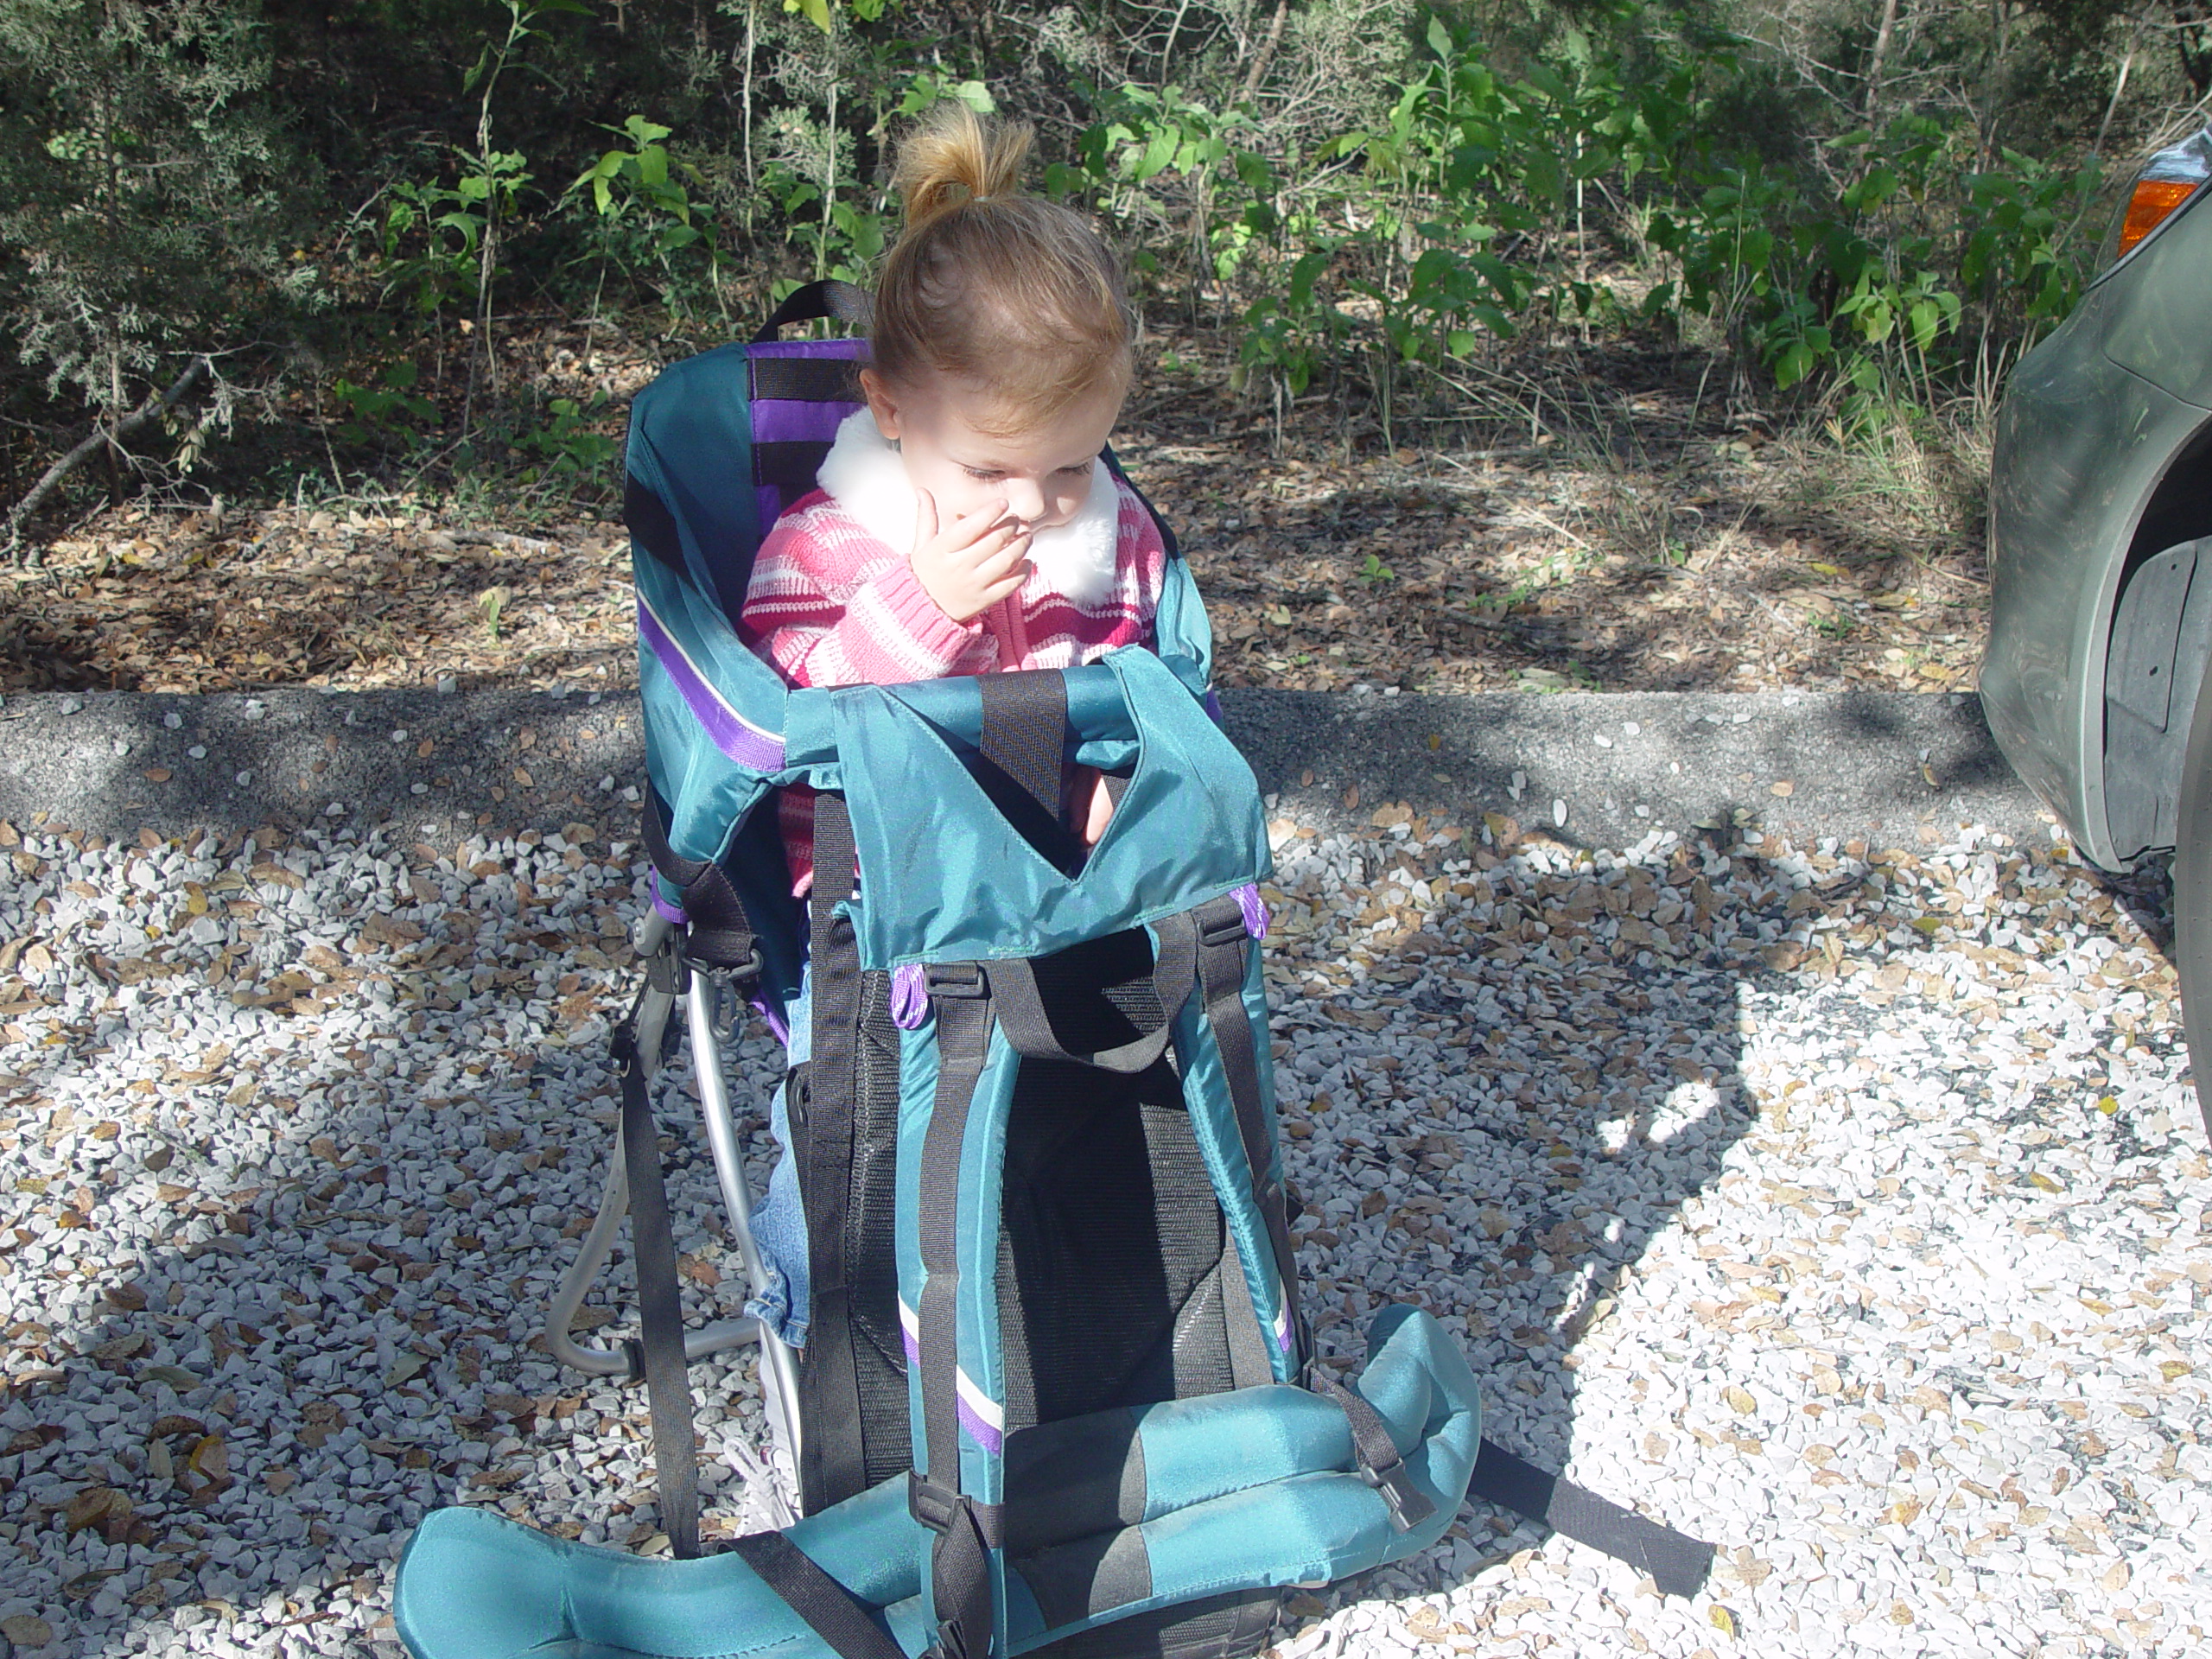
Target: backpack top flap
(948,878)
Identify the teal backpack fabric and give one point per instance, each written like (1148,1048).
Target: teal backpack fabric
(1055,1380)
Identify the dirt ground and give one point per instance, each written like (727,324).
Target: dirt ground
(1604,520)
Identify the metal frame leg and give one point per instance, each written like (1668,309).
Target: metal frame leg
(599,1243)
(779,1376)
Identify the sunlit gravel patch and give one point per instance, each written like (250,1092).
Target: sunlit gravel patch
(1844,1205)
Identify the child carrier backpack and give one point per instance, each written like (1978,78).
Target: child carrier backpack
(1049,1390)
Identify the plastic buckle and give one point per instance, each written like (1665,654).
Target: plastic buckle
(958,979)
(950,1644)
(1409,1505)
(934,1506)
(1221,921)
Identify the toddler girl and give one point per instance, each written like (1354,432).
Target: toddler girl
(965,522)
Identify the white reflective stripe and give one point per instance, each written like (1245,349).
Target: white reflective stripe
(706,680)
(989,1410)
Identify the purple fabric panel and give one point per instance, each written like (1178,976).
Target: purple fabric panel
(731,735)
(979,1431)
(914,1345)
(1213,707)
(857,348)
(909,997)
(771,503)
(780,420)
(1255,909)
(672,914)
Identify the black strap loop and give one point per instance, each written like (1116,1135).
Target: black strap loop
(1029,1029)
(840,301)
(716,931)
(848,1625)
(1380,1465)
(660,1310)
(1678,1564)
(1024,730)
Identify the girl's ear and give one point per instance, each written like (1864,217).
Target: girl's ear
(880,404)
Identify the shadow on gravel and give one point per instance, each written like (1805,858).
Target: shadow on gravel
(1595,1021)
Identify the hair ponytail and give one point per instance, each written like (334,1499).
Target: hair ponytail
(952,159)
(993,285)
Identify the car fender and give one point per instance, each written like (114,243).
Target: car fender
(2084,447)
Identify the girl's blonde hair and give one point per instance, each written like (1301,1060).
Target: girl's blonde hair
(1014,293)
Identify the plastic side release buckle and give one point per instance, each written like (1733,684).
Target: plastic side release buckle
(1221,922)
(1409,1505)
(958,979)
(934,1506)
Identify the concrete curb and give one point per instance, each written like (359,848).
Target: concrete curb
(1594,769)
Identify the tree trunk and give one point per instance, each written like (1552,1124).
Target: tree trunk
(1883,34)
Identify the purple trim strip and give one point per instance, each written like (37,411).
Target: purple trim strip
(741,742)
(767,1010)
(671,913)
(991,1439)
(979,1431)
(910,996)
(779,420)
(1255,909)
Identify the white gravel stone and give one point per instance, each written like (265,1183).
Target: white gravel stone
(1849,1208)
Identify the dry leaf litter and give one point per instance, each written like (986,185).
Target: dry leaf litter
(1848,1206)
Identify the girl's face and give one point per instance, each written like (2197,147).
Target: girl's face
(1039,476)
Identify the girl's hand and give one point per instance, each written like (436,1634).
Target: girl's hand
(972,563)
(1092,803)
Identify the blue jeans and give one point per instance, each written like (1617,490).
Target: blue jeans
(779,1222)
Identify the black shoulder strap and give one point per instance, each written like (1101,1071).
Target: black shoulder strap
(840,301)
(960,1576)
(1678,1564)
(660,1311)
(832,1455)
(845,1623)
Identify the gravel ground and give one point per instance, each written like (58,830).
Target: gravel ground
(1848,1207)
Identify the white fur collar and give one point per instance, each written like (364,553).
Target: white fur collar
(863,473)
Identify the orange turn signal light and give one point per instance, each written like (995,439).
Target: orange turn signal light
(2153,203)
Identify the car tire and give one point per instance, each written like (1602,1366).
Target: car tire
(2192,874)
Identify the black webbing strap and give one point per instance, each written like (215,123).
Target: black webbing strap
(1222,945)
(1678,1564)
(717,932)
(1380,1465)
(660,1310)
(841,1618)
(840,301)
(832,1450)
(806,379)
(1029,1029)
(1024,718)
(959,1559)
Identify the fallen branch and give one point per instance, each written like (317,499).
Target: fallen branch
(145,415)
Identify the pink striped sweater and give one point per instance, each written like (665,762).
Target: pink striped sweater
(834,601)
